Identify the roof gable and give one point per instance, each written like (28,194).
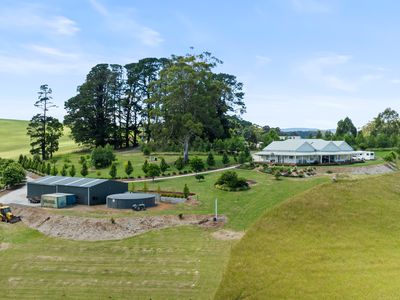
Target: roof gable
(343,145)
(290,145)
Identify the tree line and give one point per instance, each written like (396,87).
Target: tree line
(175,104)
(160,101)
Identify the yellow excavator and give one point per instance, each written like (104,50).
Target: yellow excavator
(7,216)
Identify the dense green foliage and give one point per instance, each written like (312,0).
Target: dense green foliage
(197,164)
(102,157)
(11,173)
(153,170)
(169,102)
(230,181)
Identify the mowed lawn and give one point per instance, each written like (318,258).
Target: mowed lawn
(15,141)
(241,208)
(135,156)
(176,263)
(335,241)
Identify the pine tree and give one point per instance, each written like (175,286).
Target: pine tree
(48,169)
(128,168)
(210,160)
(145,167)
(186,191)
(225,159)
(84,171)
(64,170)
(54,170)
(72,171)
(163,165)
(113,171)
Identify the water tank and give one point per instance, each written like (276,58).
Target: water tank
(126,200)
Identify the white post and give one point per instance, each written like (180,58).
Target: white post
(216,210)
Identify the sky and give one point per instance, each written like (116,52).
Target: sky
(303,63)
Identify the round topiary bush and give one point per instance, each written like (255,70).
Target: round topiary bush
(229,181)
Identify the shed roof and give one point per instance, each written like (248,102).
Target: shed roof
(69,181)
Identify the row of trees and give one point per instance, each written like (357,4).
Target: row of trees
(382,132)
(163,101)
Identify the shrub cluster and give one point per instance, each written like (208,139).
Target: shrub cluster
(285,171)
(230,181)
(102,157)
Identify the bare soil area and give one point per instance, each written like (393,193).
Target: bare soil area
(4,246)
(367,170)
(96,229)
(228,234)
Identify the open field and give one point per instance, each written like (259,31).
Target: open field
(14,140)
(335,241)
(184,263)
(174,263)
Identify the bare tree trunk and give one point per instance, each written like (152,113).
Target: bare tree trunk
(186,149)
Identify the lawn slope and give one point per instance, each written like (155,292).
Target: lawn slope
(14,140)
(335,241)
(176,263)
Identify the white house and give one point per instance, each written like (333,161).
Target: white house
(306,151)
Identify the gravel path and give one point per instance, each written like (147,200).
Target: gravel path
(17,196)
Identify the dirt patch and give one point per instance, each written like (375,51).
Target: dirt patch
(251,182)
(228,234)
(4,246)
(192,201)
(367,170)
(161,206)
(97,229)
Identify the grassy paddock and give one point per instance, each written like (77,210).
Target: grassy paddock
(176,263)
(335,241)
(15,141)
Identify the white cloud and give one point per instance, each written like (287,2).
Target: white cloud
(395,81)
(35,18)
(63,25)
(26,66)
(263,60)
(122,21)
(100,8)
(320,69)
(51,52)
(311,6)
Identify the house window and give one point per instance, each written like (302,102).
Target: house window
(291,157)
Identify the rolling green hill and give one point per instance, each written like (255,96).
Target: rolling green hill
(14,141)
(335,241)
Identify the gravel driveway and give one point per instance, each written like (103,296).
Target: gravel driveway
(17,196)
